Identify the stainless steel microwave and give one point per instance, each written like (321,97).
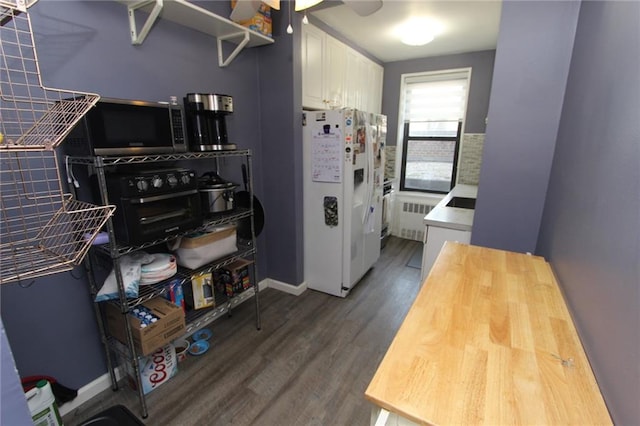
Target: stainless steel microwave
(128,127)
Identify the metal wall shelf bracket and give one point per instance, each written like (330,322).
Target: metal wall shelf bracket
(193,16)
(136,38)
(245,40)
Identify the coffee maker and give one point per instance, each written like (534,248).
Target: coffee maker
(206,124)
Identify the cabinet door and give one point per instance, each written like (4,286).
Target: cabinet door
(334,75)
(375,93)
(352,93)
(361,86)
(334,72)
(435,239)
(313,41)
(364,83)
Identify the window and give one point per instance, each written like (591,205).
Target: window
(433,117)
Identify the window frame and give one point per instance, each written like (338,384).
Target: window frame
(400,141)
(456,153)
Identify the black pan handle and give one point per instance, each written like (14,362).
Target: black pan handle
(244,176)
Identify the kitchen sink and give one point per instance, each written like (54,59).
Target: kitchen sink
(462,202)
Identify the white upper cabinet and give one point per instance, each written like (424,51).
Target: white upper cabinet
(353,79)
(313,42)
(334,72)
(335,75)
(374,97)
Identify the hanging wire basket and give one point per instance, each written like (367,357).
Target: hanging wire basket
(42,230)
(32,116)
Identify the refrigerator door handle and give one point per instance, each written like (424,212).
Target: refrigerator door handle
(368,206)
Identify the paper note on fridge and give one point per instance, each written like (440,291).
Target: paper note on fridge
(326,154)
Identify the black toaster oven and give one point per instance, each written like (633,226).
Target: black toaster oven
(154,204)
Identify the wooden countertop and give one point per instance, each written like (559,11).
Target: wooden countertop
(488,340)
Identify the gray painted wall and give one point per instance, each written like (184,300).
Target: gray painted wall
(479,89)
(281,110)
(529,78)
(590,230)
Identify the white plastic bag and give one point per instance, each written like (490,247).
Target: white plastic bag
(130,266)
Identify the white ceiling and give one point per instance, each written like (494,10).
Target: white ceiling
(469,26)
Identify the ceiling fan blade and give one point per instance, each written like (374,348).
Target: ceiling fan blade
(364,7)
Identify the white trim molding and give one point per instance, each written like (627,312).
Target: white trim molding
(296,290)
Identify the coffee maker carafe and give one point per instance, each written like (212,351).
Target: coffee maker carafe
(206,124)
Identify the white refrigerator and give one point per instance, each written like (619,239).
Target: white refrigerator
(343,165)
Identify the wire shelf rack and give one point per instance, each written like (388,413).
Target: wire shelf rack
(42,230)
(32,116)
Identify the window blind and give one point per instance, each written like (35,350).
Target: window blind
(439,97)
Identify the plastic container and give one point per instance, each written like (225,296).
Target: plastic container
(42,405)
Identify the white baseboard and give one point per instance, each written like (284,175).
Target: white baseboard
(296,290)
(102,383)
(263,284)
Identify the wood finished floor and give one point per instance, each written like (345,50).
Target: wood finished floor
(309,364)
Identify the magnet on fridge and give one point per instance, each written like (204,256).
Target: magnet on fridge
(330,211)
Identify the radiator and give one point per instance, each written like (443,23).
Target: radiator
(408,220)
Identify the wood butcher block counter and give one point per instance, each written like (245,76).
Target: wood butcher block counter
(488,340)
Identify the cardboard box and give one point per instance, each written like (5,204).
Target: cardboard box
(260,22)
(200,293)
(234,278)
(169,326)
(155,369)
(201,248)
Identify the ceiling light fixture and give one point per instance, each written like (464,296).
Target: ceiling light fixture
(305,4)
(289,27)
(416,38)
(418,31)
(272,3)
(299,5)
(245,9)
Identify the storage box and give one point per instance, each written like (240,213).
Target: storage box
(169,325)
(200,248)
(155,369)
(260,22)
(234,278)
(199,294)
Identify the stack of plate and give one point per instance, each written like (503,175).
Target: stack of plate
(161,267)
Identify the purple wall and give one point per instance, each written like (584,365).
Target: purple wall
(281,105)
(591,224)
(479,89)
(529,77)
